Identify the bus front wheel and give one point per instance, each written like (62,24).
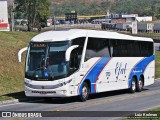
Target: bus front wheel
(84,92)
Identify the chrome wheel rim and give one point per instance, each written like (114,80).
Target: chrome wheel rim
(133,85)
(140,84)
(84,91)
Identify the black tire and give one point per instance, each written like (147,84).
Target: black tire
(140,84)
(132,88)
(85,92)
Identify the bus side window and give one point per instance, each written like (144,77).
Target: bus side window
(74,64)
(79,41)
(111,51)
(76,54)
(97,47)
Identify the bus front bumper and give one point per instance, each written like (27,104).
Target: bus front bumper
(45,93)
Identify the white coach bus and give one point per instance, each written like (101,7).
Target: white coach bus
(83,62)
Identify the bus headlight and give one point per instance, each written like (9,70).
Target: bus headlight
(27,84)
(64,83)
(67,82)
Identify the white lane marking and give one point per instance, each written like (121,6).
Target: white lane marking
(20,103)
(10,104)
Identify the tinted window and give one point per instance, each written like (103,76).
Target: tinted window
(97,47)
(79,41)
(128,48)
(76,54)
(146,49)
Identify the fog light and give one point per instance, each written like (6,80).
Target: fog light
(64,91)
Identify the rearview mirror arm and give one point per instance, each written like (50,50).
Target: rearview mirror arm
(20,53)
(69,50)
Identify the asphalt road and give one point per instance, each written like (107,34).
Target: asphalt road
(109,101)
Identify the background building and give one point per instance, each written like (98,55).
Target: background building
(4,25)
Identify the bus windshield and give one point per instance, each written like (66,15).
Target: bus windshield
(46,61)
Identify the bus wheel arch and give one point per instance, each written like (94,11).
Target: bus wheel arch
(140,83)
(85,91)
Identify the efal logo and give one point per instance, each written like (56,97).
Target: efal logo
(120,69)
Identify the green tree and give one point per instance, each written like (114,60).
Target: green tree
(90,7)
(35,11)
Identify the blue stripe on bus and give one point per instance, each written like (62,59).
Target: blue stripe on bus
(93,73)
(139,68)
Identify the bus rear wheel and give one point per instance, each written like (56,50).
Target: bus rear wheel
(133,86)
(85,92)
(140,85)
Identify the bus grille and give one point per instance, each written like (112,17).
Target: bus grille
(44,92)
(44,87)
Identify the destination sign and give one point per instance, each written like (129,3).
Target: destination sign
(39,45)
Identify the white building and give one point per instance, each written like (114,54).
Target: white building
(130,17)
(4,25)
(134,17)
(144,19)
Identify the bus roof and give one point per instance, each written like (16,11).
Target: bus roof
(64,35)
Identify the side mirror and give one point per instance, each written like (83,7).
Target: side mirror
(68,52)
(20,53)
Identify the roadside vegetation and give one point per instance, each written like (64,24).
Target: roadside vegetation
(35,11)
(156,109)
(93,7)
(157,64)
(150,35)
(12,72)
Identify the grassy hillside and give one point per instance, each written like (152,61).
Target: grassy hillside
(87,1)
(12,72)
(157,64)
(93,7)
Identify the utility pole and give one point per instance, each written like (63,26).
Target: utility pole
(12,15)
(54,21)
(11,12)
